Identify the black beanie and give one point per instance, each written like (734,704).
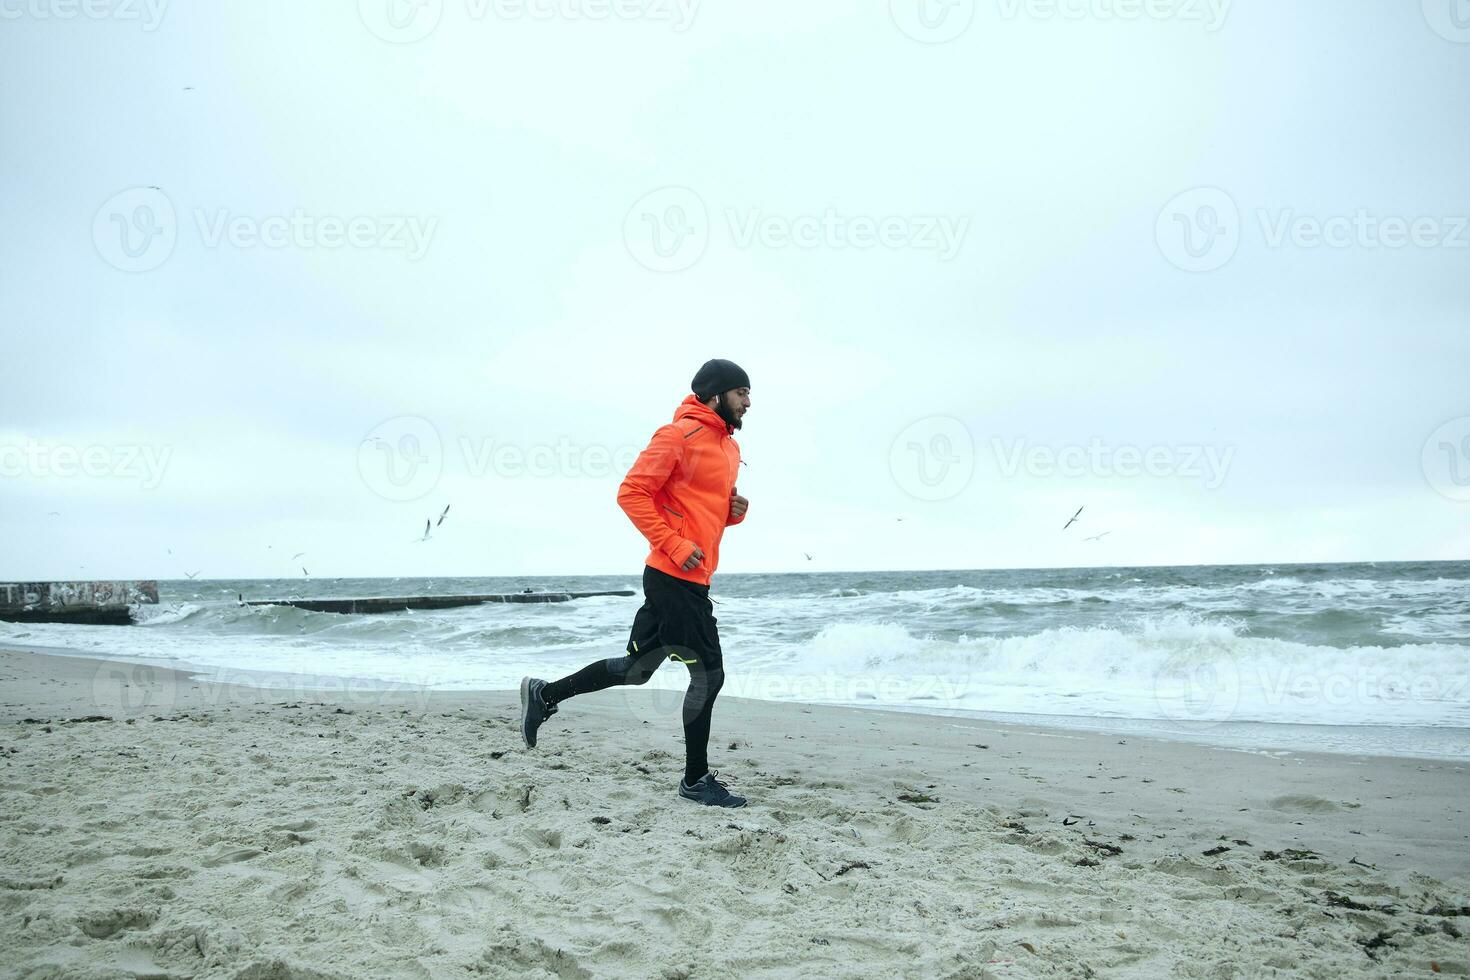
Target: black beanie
(717,377)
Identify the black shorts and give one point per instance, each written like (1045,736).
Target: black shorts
(677,617)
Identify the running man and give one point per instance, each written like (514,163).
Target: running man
(681,495)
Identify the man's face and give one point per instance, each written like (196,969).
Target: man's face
(732,406)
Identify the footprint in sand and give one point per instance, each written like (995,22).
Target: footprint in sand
(1303,804)
(230,854)
(105,923)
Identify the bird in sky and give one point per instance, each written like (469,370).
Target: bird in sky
(297,555)
(1074,518)
(443,515)
(1098,537)
(428,530)
(192,575)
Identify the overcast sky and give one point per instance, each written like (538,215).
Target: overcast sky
(299,275)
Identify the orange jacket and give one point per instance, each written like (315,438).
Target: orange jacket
(678,491)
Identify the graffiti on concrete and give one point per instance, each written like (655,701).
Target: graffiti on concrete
(73,601)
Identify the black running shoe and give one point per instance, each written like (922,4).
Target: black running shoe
(534,709)
(710,791)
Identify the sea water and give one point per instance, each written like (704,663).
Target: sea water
(1348,657)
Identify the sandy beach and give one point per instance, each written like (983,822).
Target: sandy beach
(158,825)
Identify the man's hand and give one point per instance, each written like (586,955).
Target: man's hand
(692,562)
(738,505)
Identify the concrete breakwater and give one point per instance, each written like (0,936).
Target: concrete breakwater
(74,602)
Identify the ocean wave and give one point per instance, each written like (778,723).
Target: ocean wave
(1170,666)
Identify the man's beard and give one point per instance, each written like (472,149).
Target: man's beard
(724,411)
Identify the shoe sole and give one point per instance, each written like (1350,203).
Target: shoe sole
(721,806)
(526,711)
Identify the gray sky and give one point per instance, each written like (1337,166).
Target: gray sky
(1201,267)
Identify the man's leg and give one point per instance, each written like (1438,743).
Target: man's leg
(603,674)
(539,699)
(689,633)
(706,677)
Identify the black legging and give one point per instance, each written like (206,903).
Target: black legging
(675,622)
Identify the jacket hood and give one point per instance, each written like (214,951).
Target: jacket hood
(694,410)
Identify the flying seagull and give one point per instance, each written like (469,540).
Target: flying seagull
(808,557)
(442,516)
(1098,537)
(428,529)
(1074,518)
(191,575)
(297,555)
(305,572)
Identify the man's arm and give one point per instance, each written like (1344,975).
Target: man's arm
(649,473)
